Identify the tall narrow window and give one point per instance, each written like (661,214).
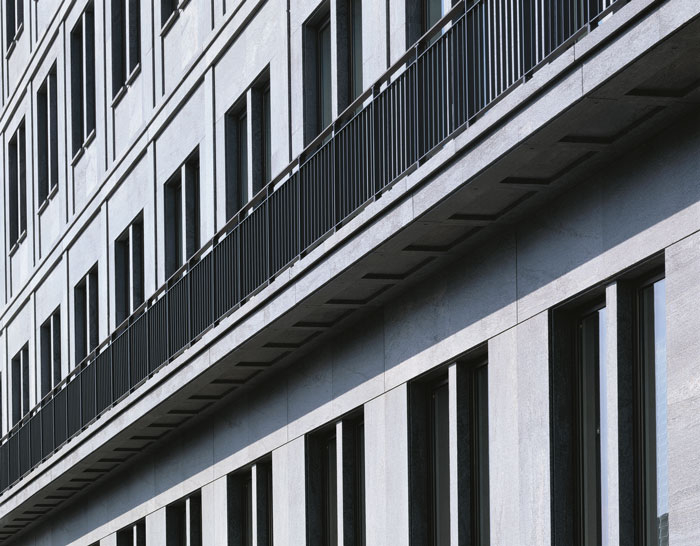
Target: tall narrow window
(126,41)
(82,50)
(318,107)
(20,384)
(50,334)
(47,136)
(322,489)
(17,170)
(236,158)
(335,470)
(86,315)
(181,195)
(349,51)
(429,461)
(432,13)
(133,535)
(651,418)
(249,505)
(184,522)
(128,270)
(260,108)
(579,417)
(439,463)
(14,16)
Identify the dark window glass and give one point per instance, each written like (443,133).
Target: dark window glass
(82,42)
(125,41)
(50,334)
(173,225)
(653,415)
(128,270)
(355,49)
(14,14)
(439,464)
(16,151)
(432,13)
(85,296)
(167,8)
(47,136)
(241,160)
(20,384)
(324,90)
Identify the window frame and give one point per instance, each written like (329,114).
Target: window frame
(644,417)
(83,82)
(126,51)
(50,342)
(17,187)
(129,255)
(181,192)
(86,315)
(47,138)
(14,24)
(21,388)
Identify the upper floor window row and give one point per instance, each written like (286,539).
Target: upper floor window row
(82,51)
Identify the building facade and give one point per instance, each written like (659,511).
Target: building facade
(350,272)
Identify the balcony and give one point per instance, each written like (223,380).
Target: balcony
(470,61)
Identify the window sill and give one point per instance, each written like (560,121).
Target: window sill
(127,85)
(79,153)
(18,243)
(47,200)
(13,44)
(170,22)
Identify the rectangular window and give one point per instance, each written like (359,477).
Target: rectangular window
(133,535)
(182,215)
(432,13)
(17,170)
(50,335)
(260,108)
(47,136)
(167,9)
(86,315)
(654,416)
(318,107)
(82,50)
(20,384)
(349,51)
(246,488)
(579,427)
(183,522)
(328,481)
(128,270)
(14,14)
(355,49)
(126,41)
(429,454)
(236,159)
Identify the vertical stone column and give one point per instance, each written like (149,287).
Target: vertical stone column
(156,528)
(214,516)
(519,459)
(683,394)
(386,468)
(289,494)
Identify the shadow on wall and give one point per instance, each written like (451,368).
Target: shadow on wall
(476,293)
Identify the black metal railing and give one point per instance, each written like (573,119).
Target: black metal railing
(474,55)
